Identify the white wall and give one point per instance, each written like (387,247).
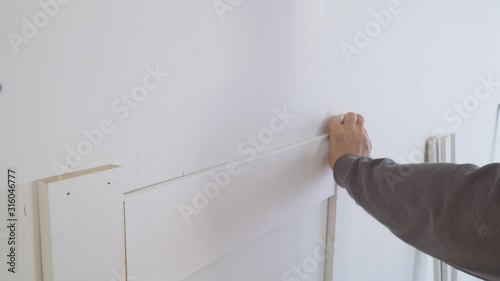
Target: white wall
(226,79)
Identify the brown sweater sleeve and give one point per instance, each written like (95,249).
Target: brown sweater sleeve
(449,211)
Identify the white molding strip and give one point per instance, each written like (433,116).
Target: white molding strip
(221,167)
(180,226)
(442,150)
(330,235)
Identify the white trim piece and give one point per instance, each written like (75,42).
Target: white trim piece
(444,271)
(218,168)
(431,151)
(330,236)
(453,148)
(495,155)
(82,226)
(241,206)
(442,150)
(454,274)
(420,268)
(438,276)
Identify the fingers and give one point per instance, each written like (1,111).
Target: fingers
(334,124)
(350,119)
(360,120)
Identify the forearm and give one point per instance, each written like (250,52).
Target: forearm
(449,211)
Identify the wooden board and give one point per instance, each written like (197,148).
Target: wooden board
(442,150)
(82,226)
(161,241)
(495,156)
(330,235)
(272,256)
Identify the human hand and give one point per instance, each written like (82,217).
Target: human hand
(348,137)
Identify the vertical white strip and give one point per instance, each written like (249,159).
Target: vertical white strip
(453,148)
(330,235)
(437,270)
(442,150)
(495,154)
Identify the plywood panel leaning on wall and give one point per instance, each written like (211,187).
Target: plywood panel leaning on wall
(82,225)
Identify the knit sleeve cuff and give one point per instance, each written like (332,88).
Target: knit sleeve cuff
(342,167)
